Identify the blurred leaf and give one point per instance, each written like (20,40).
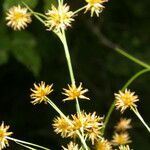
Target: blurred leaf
(4,45)
(23,48)
(48,3)
(9,3)
(3,57)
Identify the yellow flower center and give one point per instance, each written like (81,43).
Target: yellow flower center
(1,135)
(127,99)
(42,92)
(75,93)
(17,16)
(121,140)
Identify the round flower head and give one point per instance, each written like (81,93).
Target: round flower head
(125,99)
(124,147)
(3,136)
(71,146)
(103,145)
(123,124)
(62,126)
(95,6)
(59,18)
(90,124)
(18,17)
(40,92)
(121,139)
(93,127)
(75,92)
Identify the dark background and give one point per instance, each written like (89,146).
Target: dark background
(35,54)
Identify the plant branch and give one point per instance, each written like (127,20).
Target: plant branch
(133,78)
(105,41)
(27,143)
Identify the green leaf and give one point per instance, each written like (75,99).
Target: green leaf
(9,3)
(4,45)
(3,57)
(23,49)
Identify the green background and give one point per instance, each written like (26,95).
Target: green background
(35,55)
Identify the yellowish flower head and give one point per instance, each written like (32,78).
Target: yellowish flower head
(59,18)
(123,124)
(3,136)
(93,127)
(124,147)
(74,92)
(121,139)
(62,126)
(95,6)
(89,124)
(71,146)
(103,145)
(40,92)
(18,17)
(125,99)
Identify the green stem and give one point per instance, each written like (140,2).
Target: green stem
(80,9)
(61,114)
(27,143)
(140,117)
(68,58)
(62,37)
(138,74)
(67,54)
(83,141)
(28,147)
(78,106)
(137,61)
(36,14)
(134,77)
(58,110)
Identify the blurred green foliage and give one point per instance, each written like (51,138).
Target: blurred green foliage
(36,54)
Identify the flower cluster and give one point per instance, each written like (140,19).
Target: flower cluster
(121,139)
(71,146)
(56,19)
(124,147)
(123,124)
(18,18)
(103,144)
(121,135)
(74,92)
(59,18)
(89,124)
(125,99)
(95,6)
(3,136)
(40,92)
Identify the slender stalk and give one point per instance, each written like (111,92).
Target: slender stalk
(27,143)
(83,141)
(58,110)
(61,114)
(67,54)
(68,58)
(80,9)
(135,110)
(138,74)
(78,106)
(137,61)
(28,147)
(36,14)
(134,77)
(104,40)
